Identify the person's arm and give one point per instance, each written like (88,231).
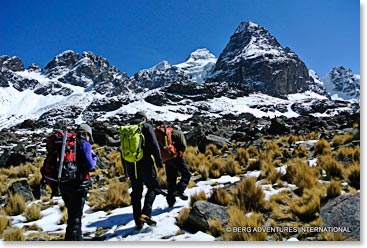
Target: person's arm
(153,146)
(90,159)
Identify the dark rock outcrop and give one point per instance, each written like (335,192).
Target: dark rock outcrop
(202,212)
(22,188)
(254,58)
(344,212)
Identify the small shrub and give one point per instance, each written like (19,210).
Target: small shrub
(322,147)
(352,174)
(300,174)
(232,167)
(13,234)
(253,164)
(307,207)
(200,196)
(333,168)
(116,196)
(237,218)
(183,216)
(248,196)
(212,150)
(333,190)
(253,151)
(242,156)
(217,168)
(215,228)
(32,213)
(280,205)
(15,205)
(204,171)
(342,139)
(5,222)
(300,152)
(221,197)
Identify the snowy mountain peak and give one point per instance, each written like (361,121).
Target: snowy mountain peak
(164,65)
(199,65)
(200,54)
(254,57)
(248,26)
(342,83)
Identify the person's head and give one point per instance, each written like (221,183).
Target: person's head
(85,130)
(142,115)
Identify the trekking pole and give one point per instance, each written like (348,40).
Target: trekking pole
(62,155)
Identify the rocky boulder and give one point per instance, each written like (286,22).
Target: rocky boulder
(202,212)
(343,211)
(22,188)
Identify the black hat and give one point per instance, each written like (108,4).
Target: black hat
(140,114)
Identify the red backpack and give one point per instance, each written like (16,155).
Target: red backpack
(60,164)
(166,145)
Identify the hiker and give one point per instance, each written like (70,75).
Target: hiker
(74,193)
(143,172)
(175,165)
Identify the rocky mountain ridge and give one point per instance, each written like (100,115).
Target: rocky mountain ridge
(254,74)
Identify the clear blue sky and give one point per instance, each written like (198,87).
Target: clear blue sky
(135,35)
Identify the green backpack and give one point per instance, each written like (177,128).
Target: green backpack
(132,142)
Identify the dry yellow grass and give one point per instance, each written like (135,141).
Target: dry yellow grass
(183,216)
(352,174)
(221,197)
(333,168)
(15,205)
(348,153)
(279,205)
(162,177)
(307,207)
(248,196)
(191,184)
(216,228)
(300,174)
(334,189)
(322,147)
(237,218)
(199,196)
(342,139)
(331,236)
(212,150)
(13,234)
(242,156)
(232,167)
(64,216)
(253,151)
(5,222)
(33,212)
(115,196)
(217,167)
(300,152)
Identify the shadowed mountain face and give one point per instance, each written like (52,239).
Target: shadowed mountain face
(255,58)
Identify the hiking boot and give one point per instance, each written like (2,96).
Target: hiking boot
(181,195)
(148,220)
(139,226)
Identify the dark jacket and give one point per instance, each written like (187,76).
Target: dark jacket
(178,138)
(151,146)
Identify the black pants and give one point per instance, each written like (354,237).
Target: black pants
(173,166)
(145,175)
(74,197)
